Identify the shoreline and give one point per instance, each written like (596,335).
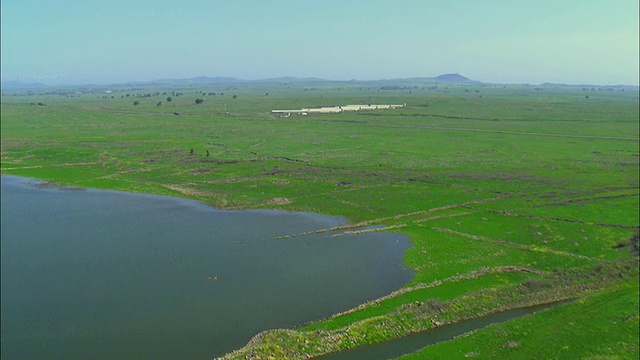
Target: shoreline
(331,221)
(48,184)
(320,343)
(261,245)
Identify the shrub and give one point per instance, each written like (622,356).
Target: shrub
(533,284)
(634,244)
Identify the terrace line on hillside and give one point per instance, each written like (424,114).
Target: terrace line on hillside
(335,109)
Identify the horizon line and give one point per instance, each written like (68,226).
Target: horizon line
(52,81)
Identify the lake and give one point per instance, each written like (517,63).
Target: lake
(88,274)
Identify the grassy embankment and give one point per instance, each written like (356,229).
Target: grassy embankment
(511,196)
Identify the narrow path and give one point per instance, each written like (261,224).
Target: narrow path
(511,244)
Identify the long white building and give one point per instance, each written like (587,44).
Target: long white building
(335,109)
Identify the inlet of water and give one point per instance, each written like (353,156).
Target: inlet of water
(414,342)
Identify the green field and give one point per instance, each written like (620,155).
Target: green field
(511,195)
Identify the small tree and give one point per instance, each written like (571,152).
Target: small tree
(159,103)
(169,99)
(199,101)
(136,103)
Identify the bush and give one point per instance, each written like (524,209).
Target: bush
(634,244)
(435,304)
(533,284)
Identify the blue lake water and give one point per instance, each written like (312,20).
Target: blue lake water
(89,274)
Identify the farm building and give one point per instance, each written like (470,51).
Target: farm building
(335,109)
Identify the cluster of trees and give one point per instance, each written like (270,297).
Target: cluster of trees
(174,94)
(600,89)
(169,99)
(209,93)
(147,95)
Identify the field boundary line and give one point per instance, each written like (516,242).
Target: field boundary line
(576,221)
(466,276)
(52,166)
(394,217)
(511,244)
(585,200)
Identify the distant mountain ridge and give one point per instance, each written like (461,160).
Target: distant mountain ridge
(451,78)
(15,84)
(204,80)
(199,80)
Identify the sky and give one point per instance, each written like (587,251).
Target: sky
(498,41)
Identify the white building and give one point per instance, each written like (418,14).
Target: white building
(335,109)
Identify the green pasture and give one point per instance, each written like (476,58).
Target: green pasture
(602,326)
(543,180)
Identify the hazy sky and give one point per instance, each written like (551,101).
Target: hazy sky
(507,41)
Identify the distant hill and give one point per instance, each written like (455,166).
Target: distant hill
(292,79)
(200,80)
(589,87)
(453,79)
(19,85)
(384,84)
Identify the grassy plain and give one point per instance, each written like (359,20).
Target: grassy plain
(511,195)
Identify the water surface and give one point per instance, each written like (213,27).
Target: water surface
(107,275)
